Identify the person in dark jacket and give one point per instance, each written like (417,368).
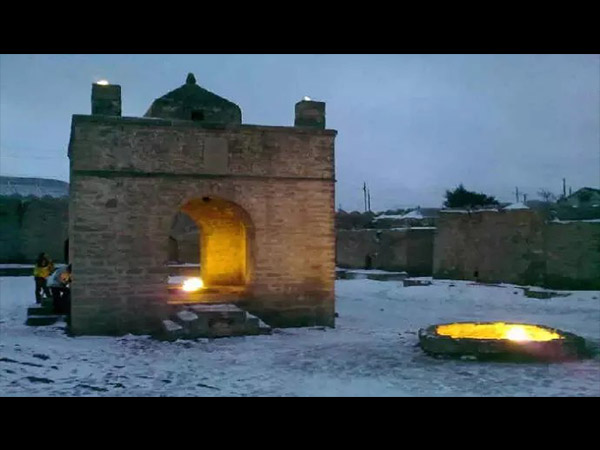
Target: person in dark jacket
(42,270)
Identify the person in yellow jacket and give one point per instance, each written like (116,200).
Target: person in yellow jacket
(42,270)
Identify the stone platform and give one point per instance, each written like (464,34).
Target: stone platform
(210,321)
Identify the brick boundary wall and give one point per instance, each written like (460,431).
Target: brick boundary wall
(31,225)
(409,250)
(517,247)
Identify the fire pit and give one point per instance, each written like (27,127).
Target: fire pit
(501,341)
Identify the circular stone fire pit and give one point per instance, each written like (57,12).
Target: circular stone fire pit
(501,341)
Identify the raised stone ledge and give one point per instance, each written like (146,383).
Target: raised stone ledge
(154,122)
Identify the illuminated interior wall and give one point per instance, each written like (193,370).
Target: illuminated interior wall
(184,240)
(225,239)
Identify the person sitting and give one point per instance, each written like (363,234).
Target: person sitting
(42,270)
(59,283)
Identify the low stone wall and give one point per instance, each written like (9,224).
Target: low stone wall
(517,246)
(409,250)
(29,226)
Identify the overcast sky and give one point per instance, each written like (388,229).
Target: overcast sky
(411,126)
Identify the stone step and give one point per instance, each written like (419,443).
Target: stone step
(39,310)
(47,303)
(212,321)
(171,331)
(220,312)
(43,320)
(255,322)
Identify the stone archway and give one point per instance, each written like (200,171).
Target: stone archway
(226,239)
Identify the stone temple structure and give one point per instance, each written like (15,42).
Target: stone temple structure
(261,196)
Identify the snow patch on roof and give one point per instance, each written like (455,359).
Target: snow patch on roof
(517,206)
(414,214)
(385,216)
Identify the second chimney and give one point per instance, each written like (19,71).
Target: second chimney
(310,114)
(106,99)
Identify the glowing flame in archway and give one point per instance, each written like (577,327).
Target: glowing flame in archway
(192,284)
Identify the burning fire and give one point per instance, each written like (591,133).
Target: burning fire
(192,284)
(497,330)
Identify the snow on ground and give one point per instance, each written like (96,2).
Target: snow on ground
(372,351)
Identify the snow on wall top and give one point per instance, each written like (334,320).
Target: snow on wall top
(36,187)
(576,221)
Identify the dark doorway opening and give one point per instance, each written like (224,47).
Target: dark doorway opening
(197,115)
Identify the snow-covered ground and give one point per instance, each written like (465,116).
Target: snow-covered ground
(372,351)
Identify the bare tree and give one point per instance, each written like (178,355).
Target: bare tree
(546,195)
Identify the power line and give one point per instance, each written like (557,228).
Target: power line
(33,157)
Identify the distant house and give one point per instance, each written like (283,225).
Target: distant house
(419,217)
(583,198)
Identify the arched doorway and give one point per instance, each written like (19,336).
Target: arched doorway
(225,235)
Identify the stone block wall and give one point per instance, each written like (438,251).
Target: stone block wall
(409,250)
(519,247)
(572,255)
(490,246)
(131,177)
(29,226)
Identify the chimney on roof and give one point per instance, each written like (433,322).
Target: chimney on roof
(106,99)
(310,114)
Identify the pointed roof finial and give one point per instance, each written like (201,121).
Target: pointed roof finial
(191,79)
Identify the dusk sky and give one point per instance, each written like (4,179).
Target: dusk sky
(411,126)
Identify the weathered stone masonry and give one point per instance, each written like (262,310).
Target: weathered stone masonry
(131,176)
(409,250)
(517,247)
(29,226)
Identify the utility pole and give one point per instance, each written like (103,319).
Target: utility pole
(524,198)
(365,194)
(369,199)
(564,187)
(517,193)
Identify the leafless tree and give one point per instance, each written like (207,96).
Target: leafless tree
(546,195)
